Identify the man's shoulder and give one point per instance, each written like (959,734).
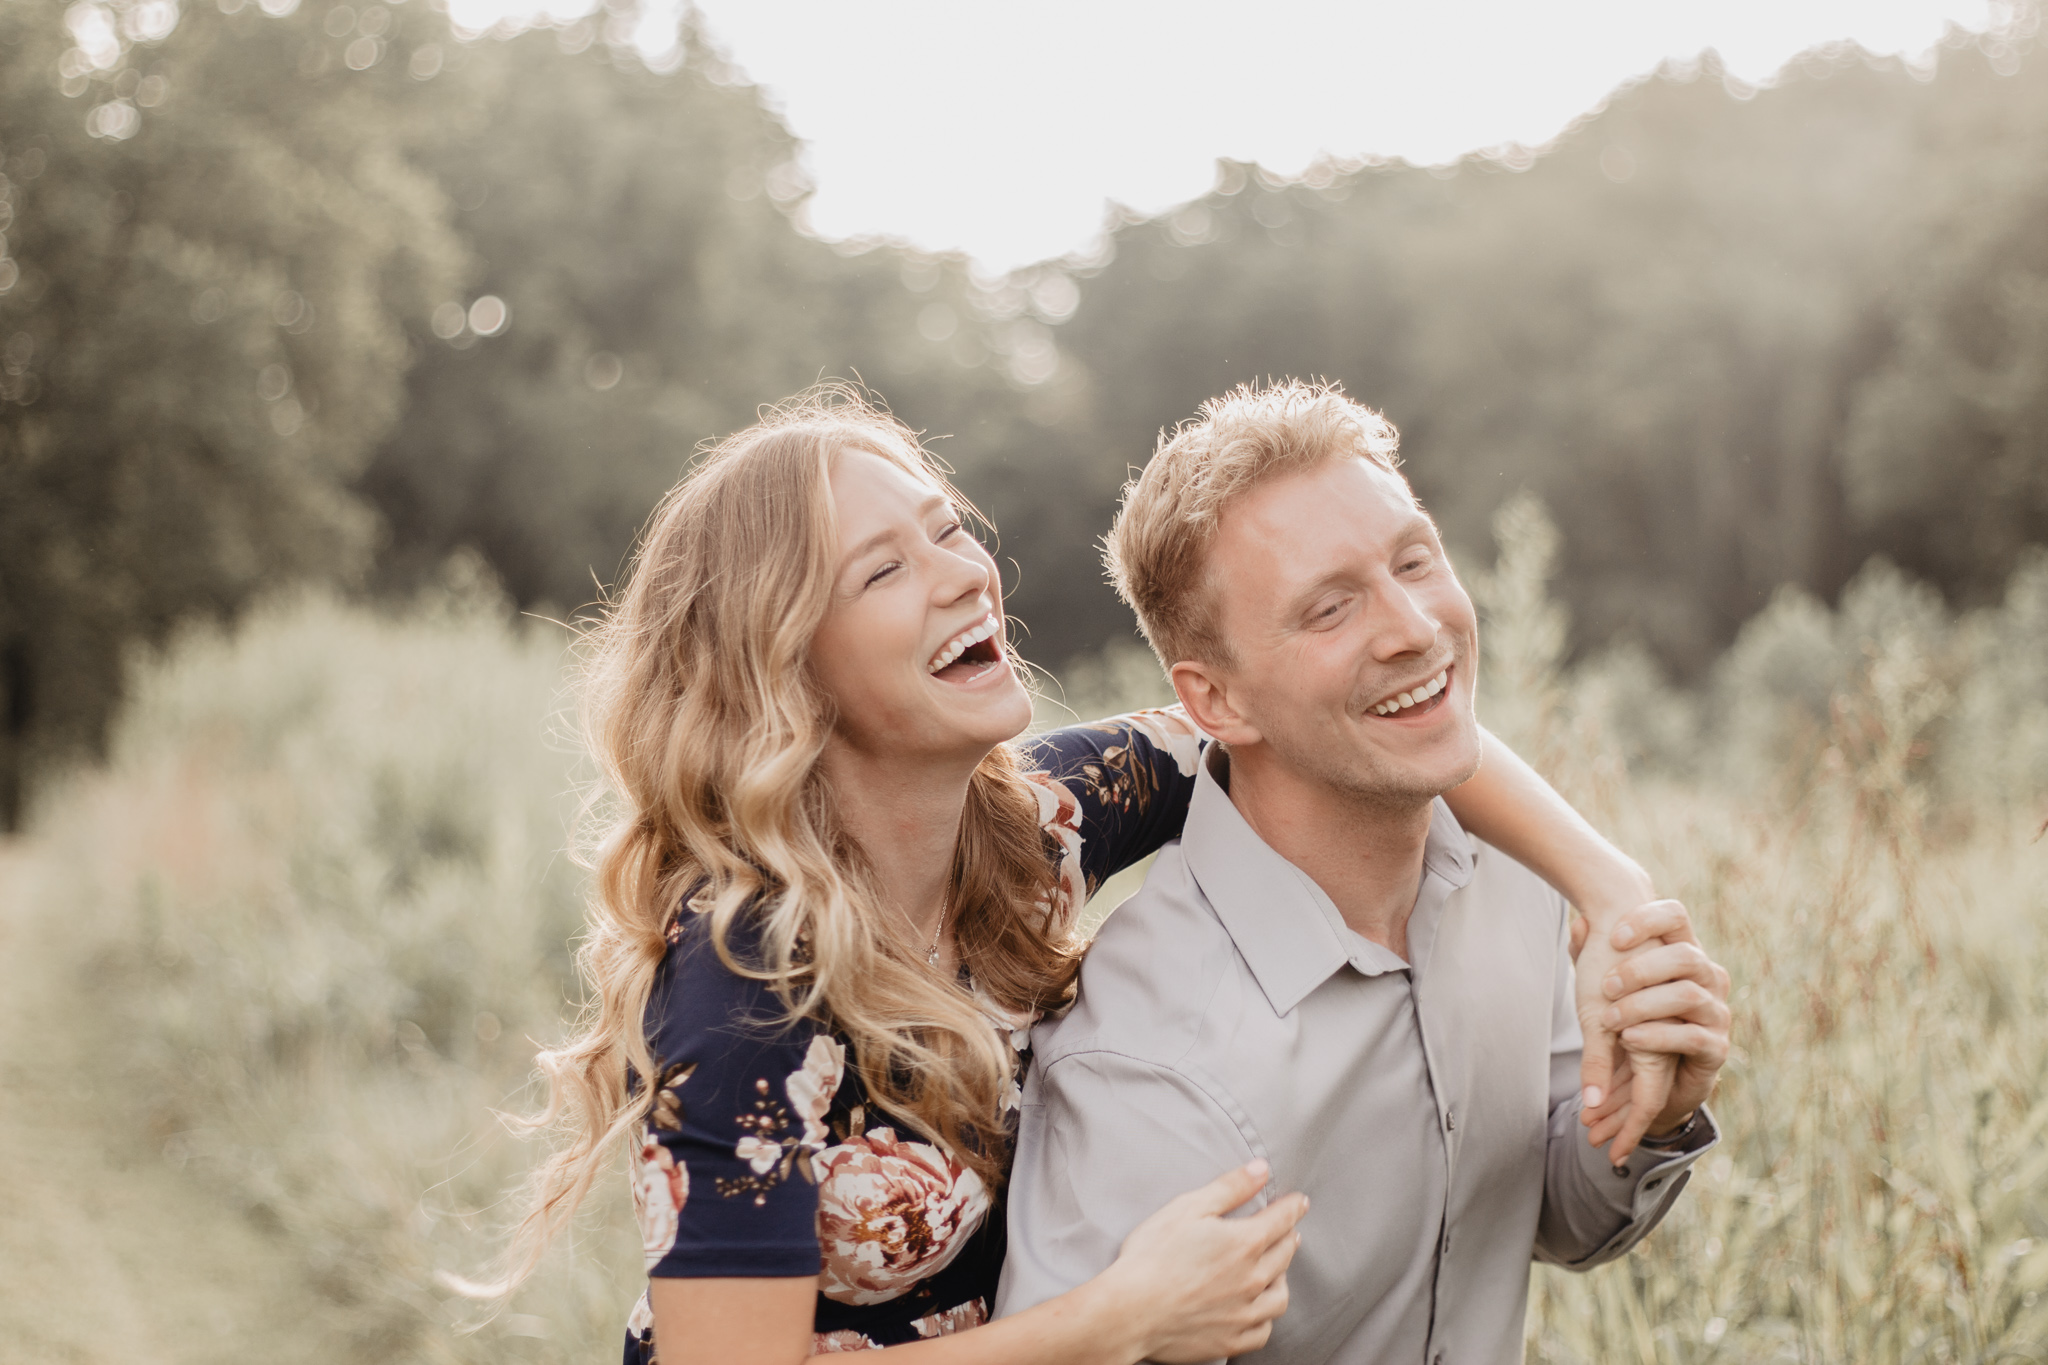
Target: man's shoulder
(1149,975)
(1511,891)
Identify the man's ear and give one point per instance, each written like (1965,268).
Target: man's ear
(1204,692)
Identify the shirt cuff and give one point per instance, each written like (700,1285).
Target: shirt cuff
(1643,1186)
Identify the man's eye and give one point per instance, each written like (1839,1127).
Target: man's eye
(1327,613)
(951,529)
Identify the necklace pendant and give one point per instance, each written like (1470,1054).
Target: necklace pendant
(931,959)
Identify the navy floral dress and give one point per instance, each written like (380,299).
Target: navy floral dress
(762,1156)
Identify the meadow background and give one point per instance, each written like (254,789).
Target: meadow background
(342,354)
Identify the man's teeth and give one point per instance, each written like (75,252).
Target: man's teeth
(962,642)
(1415,698)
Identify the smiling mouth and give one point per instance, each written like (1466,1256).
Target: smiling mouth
(970,653)
(1415,701)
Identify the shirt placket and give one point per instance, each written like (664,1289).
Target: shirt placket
(1422,925)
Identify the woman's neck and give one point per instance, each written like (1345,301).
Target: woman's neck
(905,814)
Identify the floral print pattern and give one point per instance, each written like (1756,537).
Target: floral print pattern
(773,1168)
(891,1213)
(661,1184)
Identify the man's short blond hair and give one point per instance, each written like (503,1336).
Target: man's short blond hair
(1158,550)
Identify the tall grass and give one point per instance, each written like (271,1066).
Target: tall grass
(321,879)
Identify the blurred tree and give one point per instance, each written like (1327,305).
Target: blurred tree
(211,233)
(1660,325)
(642,231)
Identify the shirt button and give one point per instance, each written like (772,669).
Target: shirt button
(1451,1120)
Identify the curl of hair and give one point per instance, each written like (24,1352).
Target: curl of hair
(707,726)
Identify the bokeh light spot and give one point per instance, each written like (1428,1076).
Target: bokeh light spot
(937,322)
(449,320)
(273,383)
(287,417)
(603,371)
(341,19)
(362,54)
(1617,165)
(489,316)
(426,62)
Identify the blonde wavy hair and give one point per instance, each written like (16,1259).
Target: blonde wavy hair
(704,717)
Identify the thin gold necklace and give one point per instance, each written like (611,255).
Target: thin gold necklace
(931,957)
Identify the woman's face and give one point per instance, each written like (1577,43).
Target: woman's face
(911,650)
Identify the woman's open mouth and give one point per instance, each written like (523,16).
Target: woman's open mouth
(969,654)
(1416,701)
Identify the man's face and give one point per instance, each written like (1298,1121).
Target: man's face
(1337,602)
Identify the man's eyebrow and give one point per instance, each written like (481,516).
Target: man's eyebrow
(1418,524)
(924,509)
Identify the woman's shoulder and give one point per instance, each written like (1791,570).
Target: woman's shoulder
(707,998)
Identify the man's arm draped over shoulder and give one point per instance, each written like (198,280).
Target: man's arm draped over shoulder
(1592,1212)
(1105,1140)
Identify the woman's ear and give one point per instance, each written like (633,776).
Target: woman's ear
(1204,693)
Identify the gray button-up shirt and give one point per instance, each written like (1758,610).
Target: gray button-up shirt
(1429,1108)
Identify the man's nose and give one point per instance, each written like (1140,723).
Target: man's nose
(1402,625)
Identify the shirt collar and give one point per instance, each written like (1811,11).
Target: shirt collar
(1284,927)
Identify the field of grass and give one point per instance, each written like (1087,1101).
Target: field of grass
(270,969)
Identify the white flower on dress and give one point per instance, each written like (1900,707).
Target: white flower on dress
(661,1186)
(845,1339)
(641,1323)
(1170,729)
(811,1089)
(890,1214)
(958,1318)
(758,1153)
(1059,814)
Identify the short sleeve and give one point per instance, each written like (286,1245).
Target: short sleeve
(1120,787)
(722,1180)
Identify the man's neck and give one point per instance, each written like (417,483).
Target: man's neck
(905,815)
(1365,855)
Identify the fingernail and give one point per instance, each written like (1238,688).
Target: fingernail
(1257,1167)
(1611,1016)
(1612,985)
(1592,1097)
(1623,936)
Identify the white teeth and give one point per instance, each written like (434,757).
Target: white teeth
(1404,700)
(964,641)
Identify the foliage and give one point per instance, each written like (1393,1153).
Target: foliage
(212,232)
(324,876)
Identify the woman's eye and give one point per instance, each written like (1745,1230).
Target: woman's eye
(951,529)
(880,574)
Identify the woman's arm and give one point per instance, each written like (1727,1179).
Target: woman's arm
(1190,1285)
(1509,805)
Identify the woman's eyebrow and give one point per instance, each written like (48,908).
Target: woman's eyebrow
(889,533)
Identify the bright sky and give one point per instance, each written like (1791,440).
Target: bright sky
(1001,128)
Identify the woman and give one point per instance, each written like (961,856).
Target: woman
(835,893)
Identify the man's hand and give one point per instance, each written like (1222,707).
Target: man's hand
(1668,1003)
(1618,1082)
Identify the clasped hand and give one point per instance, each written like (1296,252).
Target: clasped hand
(1648,985)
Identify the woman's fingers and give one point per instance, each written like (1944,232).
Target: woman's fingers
(1672,1000)
(1226,1191)
(1667,920)
(1275,1259)
(1655,966)
(1699,1042)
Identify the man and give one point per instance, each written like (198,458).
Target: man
(1326,971)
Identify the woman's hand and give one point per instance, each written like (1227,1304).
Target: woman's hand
(1210,1286)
